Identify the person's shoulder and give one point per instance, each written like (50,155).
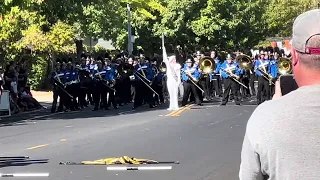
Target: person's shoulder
(266,114)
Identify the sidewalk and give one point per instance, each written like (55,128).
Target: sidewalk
(43,97)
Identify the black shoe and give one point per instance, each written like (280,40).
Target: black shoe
(95,109)
(151,106)
(200,104)
(223,104)
(238,104)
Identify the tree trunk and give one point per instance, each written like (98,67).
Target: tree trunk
(50,61)
(79,46)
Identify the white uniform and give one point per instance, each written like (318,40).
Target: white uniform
(173,82)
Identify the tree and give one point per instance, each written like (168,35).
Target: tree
(280,14)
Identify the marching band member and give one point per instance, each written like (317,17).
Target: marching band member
(200,82)
(190,76)
(143,76)
(253,77)
(216,79)
(111,82)
(70,78)
(229,70)
(57,79)
(86,84)
(100,90)
(273,69)
(261,67)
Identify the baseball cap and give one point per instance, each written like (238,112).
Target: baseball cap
(305,26)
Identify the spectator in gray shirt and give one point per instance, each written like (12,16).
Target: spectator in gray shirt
(282,140)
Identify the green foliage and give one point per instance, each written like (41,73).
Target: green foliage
(51,27)
(61,38)
(37,72)
(280,14)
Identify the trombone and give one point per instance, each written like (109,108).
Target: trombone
(192,79)
(262,69)
(102,81)
(284,66)
(233,76)
(59,84)
(143,79)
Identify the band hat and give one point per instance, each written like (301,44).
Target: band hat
(188,61)
(306,26)
(229,57)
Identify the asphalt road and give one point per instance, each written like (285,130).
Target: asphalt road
(206,140)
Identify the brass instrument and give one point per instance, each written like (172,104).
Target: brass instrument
(206,65)
(284,66)
(144,79)
(265,74)
(142,76)
(244,62)
(192,79)
(162,67)
(104,83)
(233,76)
(60,85)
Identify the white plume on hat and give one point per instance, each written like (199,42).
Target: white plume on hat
(229,56)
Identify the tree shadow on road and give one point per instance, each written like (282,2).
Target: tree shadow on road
(26,118)
(23,119)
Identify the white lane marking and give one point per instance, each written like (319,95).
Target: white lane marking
(25,175)
(119,168)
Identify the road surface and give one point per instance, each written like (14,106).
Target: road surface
(205,139)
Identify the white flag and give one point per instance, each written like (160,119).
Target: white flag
(164,52)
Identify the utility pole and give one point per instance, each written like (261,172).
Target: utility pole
(130,43)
